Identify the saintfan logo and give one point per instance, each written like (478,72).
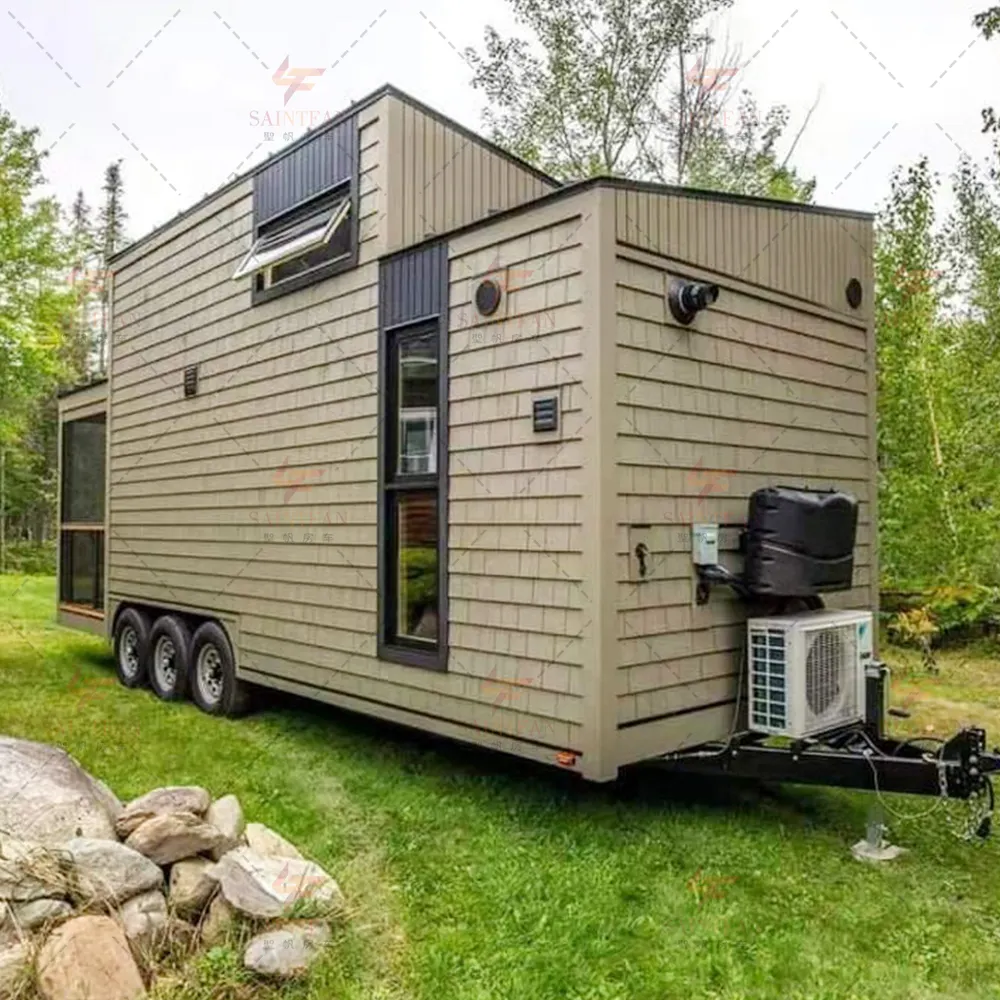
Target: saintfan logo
(710,77)
(295,78)
(298,885)
(295,479)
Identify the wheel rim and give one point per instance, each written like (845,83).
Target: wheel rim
(208,673)
(165,663)
(128,652)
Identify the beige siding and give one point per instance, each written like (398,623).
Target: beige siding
(806,254)
(441,177)
(760,390)
(517,593)
(256,500)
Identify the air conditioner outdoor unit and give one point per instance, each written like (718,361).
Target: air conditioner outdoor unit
(807,671)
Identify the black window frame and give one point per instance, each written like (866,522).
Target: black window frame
(392,485)
(296,214)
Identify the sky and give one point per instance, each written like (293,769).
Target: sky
(181,93)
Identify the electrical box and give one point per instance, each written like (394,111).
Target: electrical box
(705,544)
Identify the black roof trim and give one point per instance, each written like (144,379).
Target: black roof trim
(623,184)
(63,393)
(387,89)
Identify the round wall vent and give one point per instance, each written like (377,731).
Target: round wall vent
(855,293)
(488,297)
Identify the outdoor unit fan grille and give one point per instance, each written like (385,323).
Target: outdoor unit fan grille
(830,661)
(768,656)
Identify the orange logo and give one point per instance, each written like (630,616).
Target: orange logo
(295,479)
(710,77)
(294,78)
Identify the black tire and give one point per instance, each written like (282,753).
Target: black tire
(169,658)
(131,647)
(215,688)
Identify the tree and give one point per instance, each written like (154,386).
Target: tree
(34,303)
(82,342)
(627,87)
(111,234)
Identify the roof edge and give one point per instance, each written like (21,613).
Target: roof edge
(73,389)
(385,90)
(622,183)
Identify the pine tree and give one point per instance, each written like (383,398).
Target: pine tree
(82,344)
(111,233)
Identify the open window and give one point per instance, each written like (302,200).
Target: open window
(306,244)
(81,528)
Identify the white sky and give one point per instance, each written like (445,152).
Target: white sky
(178,108)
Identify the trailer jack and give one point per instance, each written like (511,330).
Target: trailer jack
(858,757)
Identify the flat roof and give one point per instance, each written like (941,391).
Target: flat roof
(624,184)
(82,386)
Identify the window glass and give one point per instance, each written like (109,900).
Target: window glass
(417,379)
(338,246)
(417,567)
(83,471)
(81,568)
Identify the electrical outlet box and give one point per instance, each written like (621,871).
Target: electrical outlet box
(705,544)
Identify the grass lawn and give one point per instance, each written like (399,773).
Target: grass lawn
(473,876)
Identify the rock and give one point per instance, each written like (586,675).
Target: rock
(88,957)
(47,798)
(144,920)
(191,886)
(14,962)
(173,837)
(30,871)
(270,887)
(217,922)
(269,844)
(286,951)
(226,815)
(104,872)
(28,916)
(160,802)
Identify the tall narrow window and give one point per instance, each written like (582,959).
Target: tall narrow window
(81,543)
(411,599)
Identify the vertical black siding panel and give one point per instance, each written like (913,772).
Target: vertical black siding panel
(327,159)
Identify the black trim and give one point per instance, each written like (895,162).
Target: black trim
(674,715)
(622,184)
(387,89)
(300,281)
(403,309)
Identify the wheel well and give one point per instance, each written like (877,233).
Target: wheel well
(190,618)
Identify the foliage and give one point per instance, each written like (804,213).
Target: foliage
(627,87)
(32,557)
(915,628)
(477,875)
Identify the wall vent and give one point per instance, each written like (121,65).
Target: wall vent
(191,381)
(545,413)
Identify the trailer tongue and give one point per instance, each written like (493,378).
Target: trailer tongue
(857,757)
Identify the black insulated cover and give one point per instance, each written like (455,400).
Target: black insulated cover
(800,542)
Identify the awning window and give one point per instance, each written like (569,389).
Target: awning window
(296,239)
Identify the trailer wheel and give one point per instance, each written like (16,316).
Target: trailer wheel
(131,647)
(169,658)
(215,687)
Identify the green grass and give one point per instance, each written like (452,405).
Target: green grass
(472,876)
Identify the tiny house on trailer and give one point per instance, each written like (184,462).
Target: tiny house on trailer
(397,422)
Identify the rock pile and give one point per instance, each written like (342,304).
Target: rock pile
(94,893)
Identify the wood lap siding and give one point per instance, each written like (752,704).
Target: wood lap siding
(517,591)
(758,391)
